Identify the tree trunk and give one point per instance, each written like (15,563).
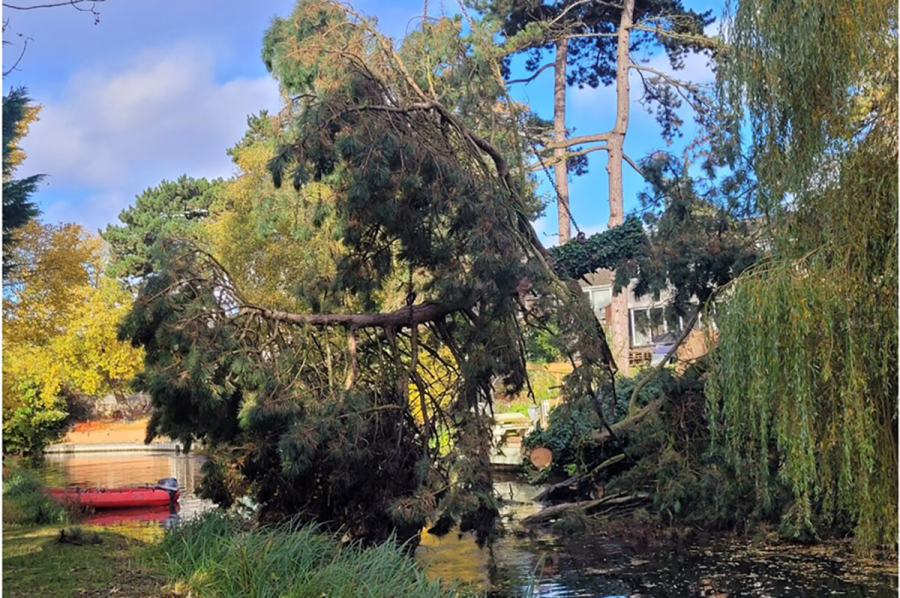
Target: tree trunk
(615,504)
(559,135)
(619,320)
(578,486)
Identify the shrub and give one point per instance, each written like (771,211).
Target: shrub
(24,502)
(33,422)
(572,424)
(539,346)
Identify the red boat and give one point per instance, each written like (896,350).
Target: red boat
(164,493)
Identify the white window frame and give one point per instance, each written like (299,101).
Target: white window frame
(597,288)
(665,323)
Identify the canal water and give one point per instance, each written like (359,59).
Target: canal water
(543,565)
(115,469)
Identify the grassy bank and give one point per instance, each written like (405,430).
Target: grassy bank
(219,555)
(35,565)
(211,556)
(24,502)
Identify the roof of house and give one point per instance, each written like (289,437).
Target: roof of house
(598,278)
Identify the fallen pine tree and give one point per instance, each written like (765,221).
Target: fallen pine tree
(608,506)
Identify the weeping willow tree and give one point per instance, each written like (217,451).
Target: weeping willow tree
(367,407)
(803,391)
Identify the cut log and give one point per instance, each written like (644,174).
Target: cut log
(541,457)
(576,486)
(608,506)
(550,513)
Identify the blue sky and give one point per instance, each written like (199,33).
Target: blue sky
(159,88)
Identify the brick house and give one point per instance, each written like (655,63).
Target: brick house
(649,330)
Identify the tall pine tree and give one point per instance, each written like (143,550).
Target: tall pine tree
(326,408)
(18,206)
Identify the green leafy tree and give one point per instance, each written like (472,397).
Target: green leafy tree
(60,318)
(172,209)
(33,422)
(280,245)
(804,391)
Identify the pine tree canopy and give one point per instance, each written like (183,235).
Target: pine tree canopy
(534,27)
(18,207)
(171,210)
(366,402)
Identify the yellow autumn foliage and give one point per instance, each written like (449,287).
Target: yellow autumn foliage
(17,155)
(439,380)
(267,238)
(60,320)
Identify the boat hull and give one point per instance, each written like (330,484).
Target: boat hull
(113,498)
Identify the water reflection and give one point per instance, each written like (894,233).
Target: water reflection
(540,565)
(596,565)
(110,470)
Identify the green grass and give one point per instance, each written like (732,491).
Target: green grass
(218,555)
(215,555)
(517,405)
(34,565)
(24,502)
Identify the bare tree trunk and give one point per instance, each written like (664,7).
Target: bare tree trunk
(559,135)
(619,320)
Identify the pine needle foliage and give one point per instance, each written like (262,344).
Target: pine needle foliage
(423,184)
(171,209)
(18,206)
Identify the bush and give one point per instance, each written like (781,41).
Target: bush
(690,483)
(24,502)
(219,554)
(33,423)
(539,346)
(651,390)
(572,423)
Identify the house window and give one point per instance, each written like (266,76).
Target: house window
(600,298)
(646,324)
(649,323)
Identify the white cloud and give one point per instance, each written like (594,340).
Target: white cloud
(160,114)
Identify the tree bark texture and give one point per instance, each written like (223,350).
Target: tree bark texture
(559,136)
(619,317)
